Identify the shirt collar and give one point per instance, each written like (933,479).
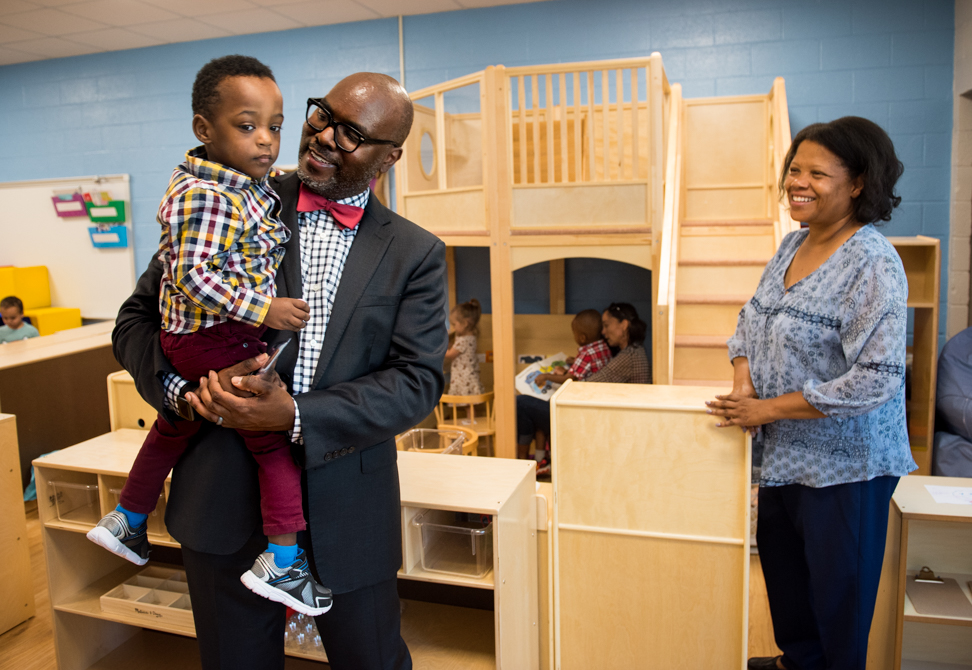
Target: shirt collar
(199,166)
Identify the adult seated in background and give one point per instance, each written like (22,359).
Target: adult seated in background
(819,359)
(624,331)
(952,453)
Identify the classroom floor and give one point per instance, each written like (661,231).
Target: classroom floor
(30,646)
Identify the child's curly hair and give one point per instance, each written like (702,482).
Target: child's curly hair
(470,312)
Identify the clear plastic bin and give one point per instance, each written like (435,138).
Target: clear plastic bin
(77,503)
(432,441)
(156,520)
(455,543)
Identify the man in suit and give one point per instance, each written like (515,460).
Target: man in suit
(367,366)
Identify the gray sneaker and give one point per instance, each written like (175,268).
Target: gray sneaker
(114,534)
(294,586)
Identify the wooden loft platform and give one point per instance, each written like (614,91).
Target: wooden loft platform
(606,160)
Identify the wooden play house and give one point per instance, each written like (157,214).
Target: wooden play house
(606,160)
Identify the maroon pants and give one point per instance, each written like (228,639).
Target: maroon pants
(194,355)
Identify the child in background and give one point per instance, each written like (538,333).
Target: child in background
(592,351)
(592,355)
(14,328)
(221,245)
(464,320)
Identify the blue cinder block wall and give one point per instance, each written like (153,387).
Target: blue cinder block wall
(888,60)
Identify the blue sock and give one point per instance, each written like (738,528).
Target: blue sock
(283,555)
(134,518)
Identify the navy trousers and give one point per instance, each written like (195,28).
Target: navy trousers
(532,414)
(821,551)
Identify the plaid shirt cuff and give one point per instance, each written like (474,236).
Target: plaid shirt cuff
(296,435)
(173,385)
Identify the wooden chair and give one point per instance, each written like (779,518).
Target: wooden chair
(483,426)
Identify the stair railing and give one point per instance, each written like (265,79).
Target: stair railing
(780,145)
(664,317)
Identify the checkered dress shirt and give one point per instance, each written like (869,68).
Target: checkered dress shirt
(324,248)
(220,248)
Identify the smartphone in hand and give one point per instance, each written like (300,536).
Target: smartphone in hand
(272,361)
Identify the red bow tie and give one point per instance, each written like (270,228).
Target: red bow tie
(347,216)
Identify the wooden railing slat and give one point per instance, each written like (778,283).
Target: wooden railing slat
(606,117)
(551,176)
(635,140)
(590,127)
(619,84)
(440,141)
(521,122)
(578,152)
(564,170)
(535,91)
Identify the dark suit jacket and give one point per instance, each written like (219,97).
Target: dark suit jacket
(379,373)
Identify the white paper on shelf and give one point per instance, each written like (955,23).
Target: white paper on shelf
(951,495)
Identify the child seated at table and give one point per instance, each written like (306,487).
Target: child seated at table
(14,328)
(464,320)
(592,351)
(221,246)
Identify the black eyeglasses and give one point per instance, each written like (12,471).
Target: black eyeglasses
(346,138)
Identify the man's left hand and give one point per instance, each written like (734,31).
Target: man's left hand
(271,407)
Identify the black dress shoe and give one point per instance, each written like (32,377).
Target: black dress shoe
(763,663)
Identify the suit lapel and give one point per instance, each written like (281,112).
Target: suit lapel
(370,244)
(289,283)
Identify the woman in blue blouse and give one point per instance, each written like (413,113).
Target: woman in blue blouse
(819,360)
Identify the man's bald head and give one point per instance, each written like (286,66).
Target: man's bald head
(376,89)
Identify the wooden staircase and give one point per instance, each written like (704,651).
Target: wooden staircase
(719,266)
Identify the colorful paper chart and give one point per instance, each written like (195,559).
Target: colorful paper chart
(69,205)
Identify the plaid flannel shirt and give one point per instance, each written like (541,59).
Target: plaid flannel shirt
(590,358)
(630,366)
(220,248)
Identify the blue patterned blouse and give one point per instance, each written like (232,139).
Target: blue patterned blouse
(839,337)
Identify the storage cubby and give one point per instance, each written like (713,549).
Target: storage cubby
(922,532)
(102,603)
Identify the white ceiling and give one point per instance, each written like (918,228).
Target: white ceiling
(33,30)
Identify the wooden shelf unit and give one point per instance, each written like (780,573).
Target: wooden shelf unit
(439,636)
(922,532)
(921,257)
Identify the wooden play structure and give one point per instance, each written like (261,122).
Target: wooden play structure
(606,160)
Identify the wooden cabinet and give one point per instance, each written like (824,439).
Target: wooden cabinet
(439,636)
(922,532)
(17,595)
(650,529)
(921,257)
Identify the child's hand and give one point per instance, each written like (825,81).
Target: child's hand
(287,314)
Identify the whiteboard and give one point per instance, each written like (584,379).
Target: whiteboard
(31,233)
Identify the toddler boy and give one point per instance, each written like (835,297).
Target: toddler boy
(592,351)
(221,245)
(14,328)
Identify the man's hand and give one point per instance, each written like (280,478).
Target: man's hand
(267,405)
(287,314)
(247,367)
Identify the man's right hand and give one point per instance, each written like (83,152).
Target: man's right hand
(248,366)
(285,314)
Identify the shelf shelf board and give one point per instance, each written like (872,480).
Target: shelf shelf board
(439,636)
(420,575)
(921,304)
(911,614)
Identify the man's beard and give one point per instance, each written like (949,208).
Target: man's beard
(339,186)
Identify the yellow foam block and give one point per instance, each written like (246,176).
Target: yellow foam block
(29,284)
(49,320)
